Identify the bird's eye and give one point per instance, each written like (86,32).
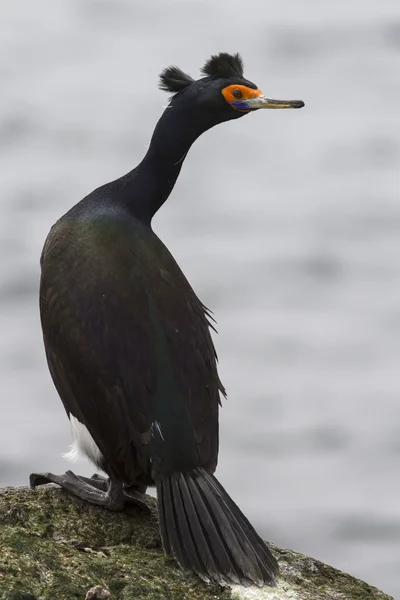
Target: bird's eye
(237,93)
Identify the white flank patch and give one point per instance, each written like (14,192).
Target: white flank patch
(282,591)
(83,444)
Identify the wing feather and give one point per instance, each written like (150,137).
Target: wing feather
(115,365)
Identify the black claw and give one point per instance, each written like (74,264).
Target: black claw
(36,479)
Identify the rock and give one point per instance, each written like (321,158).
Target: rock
(98,593)
(56,547)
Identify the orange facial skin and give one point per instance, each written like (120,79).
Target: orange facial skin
(234,101)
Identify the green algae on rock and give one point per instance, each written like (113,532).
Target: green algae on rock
(56,547)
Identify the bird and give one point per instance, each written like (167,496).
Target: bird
(129,348)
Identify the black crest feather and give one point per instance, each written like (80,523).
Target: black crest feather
(173,79)
(224,65)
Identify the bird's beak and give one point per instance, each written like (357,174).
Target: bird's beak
(264,102)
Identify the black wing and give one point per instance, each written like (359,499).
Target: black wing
(129,347)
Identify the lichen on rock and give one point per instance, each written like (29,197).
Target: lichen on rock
(56,547)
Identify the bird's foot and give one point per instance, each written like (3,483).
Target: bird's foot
(97,481)
(97,490)
(102,483)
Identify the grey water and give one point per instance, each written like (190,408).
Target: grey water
(287,223)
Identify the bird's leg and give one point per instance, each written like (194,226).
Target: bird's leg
(107,493)
(135,487)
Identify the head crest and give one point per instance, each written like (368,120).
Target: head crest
(224,65)
(173,79)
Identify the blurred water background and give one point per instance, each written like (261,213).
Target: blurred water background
(287,223)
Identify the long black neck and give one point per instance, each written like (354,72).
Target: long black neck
(147,187)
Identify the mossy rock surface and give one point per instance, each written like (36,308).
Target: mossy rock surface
(56,547)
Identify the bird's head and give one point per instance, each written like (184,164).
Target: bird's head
(222,93)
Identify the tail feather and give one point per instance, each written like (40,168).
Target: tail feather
(262,549)
(205,538)
(182,524)
(162,518)
(172,524)
(207,533)
(227,529)
(213,545)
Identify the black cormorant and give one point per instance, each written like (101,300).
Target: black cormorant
(129,349)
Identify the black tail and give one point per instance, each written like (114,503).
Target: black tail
(207,533)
